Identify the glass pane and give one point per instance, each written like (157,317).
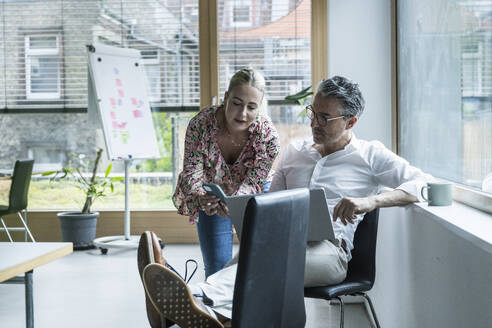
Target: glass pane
(277,42)
(42,42)
(290,122)
(153,82)
(44,74)
(165,31)
(241,14)
(62,140)
(445,83)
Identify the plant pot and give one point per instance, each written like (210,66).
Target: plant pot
(78,228)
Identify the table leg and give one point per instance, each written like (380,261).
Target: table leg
(29,300)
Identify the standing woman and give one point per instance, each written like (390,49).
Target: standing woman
(234,146)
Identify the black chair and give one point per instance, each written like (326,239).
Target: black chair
(269,289)
(361,271)
(21,178)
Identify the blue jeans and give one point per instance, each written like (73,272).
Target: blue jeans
(216,238)
(215,234)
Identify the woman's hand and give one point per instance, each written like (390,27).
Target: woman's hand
(209,204)
(223,210)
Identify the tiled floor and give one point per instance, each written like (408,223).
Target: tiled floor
(87,289)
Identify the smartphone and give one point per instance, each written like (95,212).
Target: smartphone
(216,190)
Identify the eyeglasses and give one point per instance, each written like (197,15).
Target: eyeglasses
(321,117)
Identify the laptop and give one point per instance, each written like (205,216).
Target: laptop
(320,223)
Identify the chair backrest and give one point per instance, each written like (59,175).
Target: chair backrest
(362,266)
(269,289)
(21,178)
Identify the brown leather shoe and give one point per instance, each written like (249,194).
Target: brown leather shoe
(149,251)
(171,297)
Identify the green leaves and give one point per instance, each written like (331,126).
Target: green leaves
(108,169)
(300,97)
(93,185)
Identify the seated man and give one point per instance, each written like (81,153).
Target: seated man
(353,174)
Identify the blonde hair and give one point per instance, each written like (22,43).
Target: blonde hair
(251,77)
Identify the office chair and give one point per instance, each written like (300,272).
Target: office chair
(361,271)
(269,289)
(21,178)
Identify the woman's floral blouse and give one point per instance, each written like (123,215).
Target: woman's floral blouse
(203,162)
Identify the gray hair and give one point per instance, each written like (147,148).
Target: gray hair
(251,77)
(347,92)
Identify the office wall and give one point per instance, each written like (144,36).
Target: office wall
(427,276)
(359,47)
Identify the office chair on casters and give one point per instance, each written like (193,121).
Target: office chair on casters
(21,178)
(269,288)
(361,271)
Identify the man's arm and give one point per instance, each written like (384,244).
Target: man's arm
(348,208)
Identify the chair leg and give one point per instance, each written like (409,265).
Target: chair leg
(6,230)
(373,312)
(341,311)
(25,226)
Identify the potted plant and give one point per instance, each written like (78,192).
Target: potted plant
(80,227)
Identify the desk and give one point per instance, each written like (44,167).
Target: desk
(19,258)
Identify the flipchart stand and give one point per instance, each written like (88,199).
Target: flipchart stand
(125,241)
(118,100)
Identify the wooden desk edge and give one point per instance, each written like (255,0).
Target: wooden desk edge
(34,263)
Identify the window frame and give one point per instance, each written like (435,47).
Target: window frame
(40,53)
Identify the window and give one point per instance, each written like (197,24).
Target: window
(240,13)
(445,88)
(42,66)
(43,89)
(46,156)
(43,48)
(279,47)
(153,71)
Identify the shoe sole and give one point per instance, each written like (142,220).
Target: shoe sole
(145,257)
(145,252)
(172,298)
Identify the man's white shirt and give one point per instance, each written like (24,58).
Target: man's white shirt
(361,169)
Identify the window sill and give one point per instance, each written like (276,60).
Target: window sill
(467,222)
(41,101)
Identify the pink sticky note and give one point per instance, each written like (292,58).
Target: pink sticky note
(137,113)
(134,101)
(121,93)
(122,125)
(113,101)
(115,124)
(118,82)
(113,115)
